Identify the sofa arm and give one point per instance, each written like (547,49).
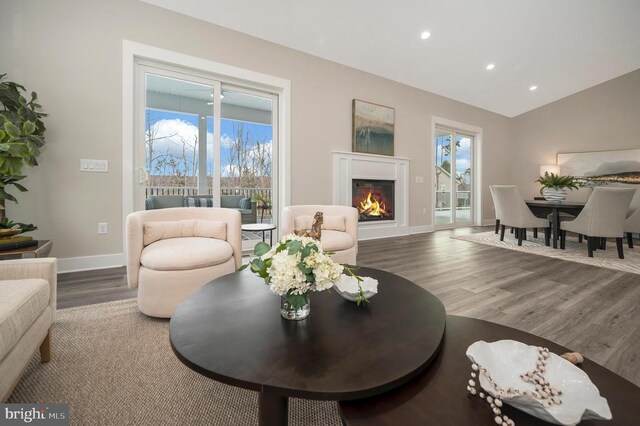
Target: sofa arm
(45,268)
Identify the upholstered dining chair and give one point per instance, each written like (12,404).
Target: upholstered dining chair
(495,208)
(339,229)
(172,252)
(632,223)
(602,217)
(514,212)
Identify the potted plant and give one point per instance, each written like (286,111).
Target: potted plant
(554,187)
(21,138)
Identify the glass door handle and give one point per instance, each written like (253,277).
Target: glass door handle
(143,176)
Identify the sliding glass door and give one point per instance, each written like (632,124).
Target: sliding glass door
(179,149)
(202,137)
(453,179)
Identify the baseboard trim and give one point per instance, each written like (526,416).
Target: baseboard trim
(423,229)
(87,263)
(489,222)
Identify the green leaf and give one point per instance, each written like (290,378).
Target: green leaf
(28,127)
(11,129)
(306,251)
(261,248)
(243,267)
(20,187)
(297,301)
(294,247)
(23,113)
(304,268)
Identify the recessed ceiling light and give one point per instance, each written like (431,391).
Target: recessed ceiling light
(425,35)
(532,88)
(490,67)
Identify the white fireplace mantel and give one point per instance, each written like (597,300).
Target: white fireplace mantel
(351,165)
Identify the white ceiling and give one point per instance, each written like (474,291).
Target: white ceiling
(561,46)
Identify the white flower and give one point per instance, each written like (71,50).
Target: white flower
(285,273)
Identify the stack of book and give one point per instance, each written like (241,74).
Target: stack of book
(17,242)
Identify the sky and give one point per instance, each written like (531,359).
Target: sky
(463,158)
(185,126)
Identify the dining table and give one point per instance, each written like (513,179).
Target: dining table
(544,208)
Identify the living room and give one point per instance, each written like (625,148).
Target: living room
(495,93)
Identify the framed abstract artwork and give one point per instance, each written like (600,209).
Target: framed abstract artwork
(602,167)
(373,127)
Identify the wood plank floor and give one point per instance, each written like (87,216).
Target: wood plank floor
(592,310)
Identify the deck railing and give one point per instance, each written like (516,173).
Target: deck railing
(187,190)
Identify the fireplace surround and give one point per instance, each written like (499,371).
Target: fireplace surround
(350,166)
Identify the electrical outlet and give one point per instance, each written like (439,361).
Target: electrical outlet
(424,211)
(102,228)
(419,179)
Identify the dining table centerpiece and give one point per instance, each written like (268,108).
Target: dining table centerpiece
(554,186)
(293,268)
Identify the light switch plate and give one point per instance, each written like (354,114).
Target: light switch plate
(99,166)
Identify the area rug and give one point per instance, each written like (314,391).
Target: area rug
(114,366)
(574,252)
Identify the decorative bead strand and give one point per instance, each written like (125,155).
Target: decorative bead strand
(545,393)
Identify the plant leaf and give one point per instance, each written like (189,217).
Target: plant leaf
(11,130)
(28,127)
(294,247)
(261,248)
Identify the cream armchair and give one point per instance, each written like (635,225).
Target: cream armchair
(632,224)
(27,311)
(172,252)
(339,229)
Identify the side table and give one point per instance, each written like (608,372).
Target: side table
(41,250)
(261,227)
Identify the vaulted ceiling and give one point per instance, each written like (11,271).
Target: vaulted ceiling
(560,47)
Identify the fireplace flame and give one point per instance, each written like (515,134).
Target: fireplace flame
(372,207)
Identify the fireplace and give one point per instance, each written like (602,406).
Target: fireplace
(374,199)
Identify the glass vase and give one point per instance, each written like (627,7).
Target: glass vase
(295,307)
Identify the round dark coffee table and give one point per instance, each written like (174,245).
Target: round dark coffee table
(230,330)
(439,395)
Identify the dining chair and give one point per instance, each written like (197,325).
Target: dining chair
(579,195)
(632,223)
(602,217)
(514,212)
(495,208)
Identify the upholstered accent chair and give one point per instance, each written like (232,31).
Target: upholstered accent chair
(27,311)
(172,252)
(514,212)
(603,217)
(339,229)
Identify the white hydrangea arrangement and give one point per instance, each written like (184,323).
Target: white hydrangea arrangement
(294,266)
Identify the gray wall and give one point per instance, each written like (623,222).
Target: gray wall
(604,117)
(70,52)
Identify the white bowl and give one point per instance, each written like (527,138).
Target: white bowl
(348,287)
(506,360)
